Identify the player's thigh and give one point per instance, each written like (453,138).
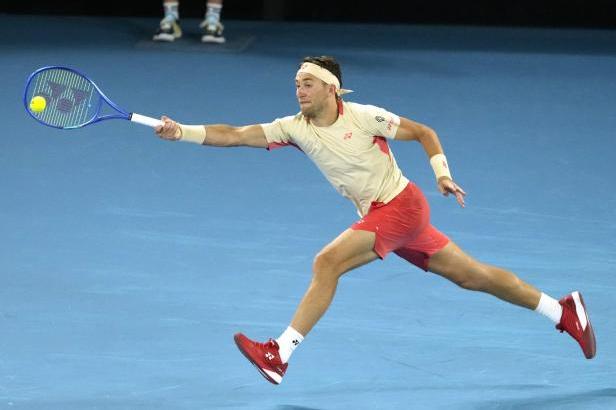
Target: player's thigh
(454,264)
(351,249)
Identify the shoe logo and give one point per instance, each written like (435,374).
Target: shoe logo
(269,356)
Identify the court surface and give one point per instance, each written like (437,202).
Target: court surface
(127,263)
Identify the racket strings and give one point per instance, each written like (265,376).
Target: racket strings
(71,98)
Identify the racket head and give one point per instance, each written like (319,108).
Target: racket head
(72,99)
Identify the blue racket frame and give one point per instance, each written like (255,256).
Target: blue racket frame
(122,114)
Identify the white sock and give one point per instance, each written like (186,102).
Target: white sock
(288,341)
(550,308)
(212,15)
(172,10)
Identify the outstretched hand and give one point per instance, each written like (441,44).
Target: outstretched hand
(447,186)
(170,130)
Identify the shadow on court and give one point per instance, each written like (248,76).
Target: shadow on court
(591,399)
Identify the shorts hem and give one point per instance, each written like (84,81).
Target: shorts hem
(379,252)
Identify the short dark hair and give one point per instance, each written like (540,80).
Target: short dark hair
(327,62)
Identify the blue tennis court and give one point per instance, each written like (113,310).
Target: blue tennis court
(127,263)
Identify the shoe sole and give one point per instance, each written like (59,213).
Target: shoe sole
(212,39)
(271,377)
(579,303)
(167,38)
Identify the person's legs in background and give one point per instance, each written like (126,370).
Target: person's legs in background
(169,28)
(211,25)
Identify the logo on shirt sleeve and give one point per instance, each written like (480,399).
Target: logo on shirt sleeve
(378,118)
(389,124)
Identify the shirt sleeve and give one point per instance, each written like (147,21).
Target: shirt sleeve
(277,132)
(377,121)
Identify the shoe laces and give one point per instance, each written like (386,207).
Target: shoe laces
(167,22)
(271,350)
(210,26)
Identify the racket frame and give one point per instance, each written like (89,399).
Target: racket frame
(121,113)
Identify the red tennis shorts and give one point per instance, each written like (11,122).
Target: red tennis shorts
(403,226)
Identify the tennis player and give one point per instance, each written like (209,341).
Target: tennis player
(348,142)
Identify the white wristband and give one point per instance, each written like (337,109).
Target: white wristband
(440,167)
(193,133)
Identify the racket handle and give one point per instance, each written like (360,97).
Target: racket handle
(142,119)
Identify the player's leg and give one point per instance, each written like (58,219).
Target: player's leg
(454,264)
(211,24)
(569,314)
(350,250)
(169,28)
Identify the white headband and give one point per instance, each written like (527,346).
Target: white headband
(322,74)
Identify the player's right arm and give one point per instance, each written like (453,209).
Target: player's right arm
(218,135)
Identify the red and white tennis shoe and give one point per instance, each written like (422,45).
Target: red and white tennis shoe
(575,321)
(264,356)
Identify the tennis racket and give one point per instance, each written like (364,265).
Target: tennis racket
(62,97)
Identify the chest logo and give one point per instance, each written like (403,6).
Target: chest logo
(348,135)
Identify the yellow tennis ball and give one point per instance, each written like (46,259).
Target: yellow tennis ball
(38,103)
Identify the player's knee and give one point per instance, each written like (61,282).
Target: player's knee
(475,278)
(325,266)
(471,284)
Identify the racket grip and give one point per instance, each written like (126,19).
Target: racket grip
(142,119)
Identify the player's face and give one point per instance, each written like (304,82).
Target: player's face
(311,93)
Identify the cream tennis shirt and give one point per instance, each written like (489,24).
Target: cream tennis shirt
(352,153)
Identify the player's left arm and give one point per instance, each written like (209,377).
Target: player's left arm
(409,130)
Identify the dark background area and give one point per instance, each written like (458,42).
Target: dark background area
(538,13)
